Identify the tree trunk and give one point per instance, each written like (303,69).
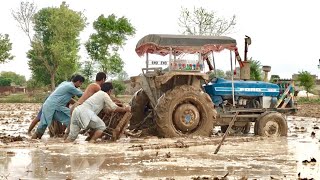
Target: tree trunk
(53,85)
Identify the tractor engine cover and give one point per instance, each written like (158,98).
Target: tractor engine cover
(220,88)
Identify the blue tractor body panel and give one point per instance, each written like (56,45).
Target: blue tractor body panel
(220,89)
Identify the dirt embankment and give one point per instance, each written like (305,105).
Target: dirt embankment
(309,110)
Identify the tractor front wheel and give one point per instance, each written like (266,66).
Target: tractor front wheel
(271,124)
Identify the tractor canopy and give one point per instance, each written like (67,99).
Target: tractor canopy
(161,44)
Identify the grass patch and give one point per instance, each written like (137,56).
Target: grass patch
(304,100)
(23,98)
(39,97)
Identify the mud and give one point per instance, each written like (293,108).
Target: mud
(309,110)
(239,157)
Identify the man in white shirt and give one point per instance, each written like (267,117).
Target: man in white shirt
(85,115)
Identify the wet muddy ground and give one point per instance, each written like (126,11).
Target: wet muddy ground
(129,158)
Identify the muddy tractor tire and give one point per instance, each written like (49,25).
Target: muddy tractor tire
(138,103)
(185,111)
(238,129)
(272,124)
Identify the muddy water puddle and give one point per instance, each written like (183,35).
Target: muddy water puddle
(279,158)
(245,156)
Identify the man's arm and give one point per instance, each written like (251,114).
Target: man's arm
(72,101)
(115,100)
(123,109)
(110,105)
(75,91)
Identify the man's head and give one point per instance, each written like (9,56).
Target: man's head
(73,75)
(101,78)
(78,80)
(107,87)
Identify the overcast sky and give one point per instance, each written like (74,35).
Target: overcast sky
(285,34)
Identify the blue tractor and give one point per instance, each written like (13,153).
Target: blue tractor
(177,97)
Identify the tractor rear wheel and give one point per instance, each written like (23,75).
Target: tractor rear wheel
(271,124)
(185,111)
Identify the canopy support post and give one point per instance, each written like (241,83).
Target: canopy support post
(214,64)
(147,60)
(232,82)
(170,57)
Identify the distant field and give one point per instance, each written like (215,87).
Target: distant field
(23,98)
(40,97)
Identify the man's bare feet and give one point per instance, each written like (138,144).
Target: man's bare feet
(67,141)
(36,136)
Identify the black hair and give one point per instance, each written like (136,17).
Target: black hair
(71,78)
(107,86)
(78,78)
(100,76)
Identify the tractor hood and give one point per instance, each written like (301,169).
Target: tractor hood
(222,87)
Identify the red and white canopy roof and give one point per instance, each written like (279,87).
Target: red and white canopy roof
(161,43)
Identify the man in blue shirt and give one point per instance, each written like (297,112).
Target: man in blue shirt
(37,118)
(55,105)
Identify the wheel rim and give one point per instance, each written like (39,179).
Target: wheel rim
(272,128)
(186,117)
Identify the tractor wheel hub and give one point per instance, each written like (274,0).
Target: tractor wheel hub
(272,129)
(186,117)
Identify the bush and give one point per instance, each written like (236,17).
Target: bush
(119,87)
(5,81)
(305,100)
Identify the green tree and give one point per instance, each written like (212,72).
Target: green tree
(219,74)
(5,81)
(32,84)
(255,70)
(14,77)
(102,46)
(228,74)
(87,70)
(119,87)
(55,43)
(5,48)
(274,78)
(306,80)
(203,22)
(39,71)
(118,84)
(123,76)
